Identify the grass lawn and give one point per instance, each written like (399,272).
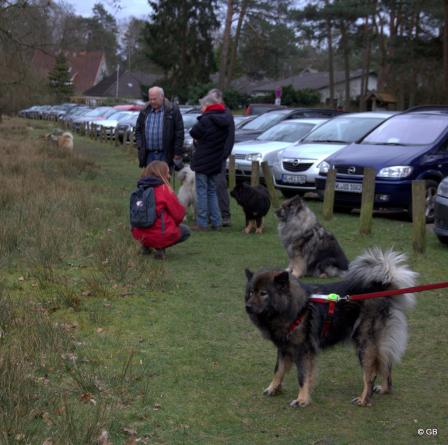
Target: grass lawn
(99,340)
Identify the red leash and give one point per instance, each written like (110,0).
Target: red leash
(390,293)
(332,299)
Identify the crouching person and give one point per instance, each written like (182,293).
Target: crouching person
(156,213)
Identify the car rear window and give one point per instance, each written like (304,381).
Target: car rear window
(286,132)
(343,129)
(408,130)
(265,121)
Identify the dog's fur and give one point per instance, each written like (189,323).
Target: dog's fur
(60,139)
(311,249)
(187,190)
(255,202)
(377,327)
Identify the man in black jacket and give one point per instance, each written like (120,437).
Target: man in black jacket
(221,180)
(210,133)
(159,131)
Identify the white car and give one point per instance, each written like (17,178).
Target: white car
(112,121)
(296,167)
(267,144)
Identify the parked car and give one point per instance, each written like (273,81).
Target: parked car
(189,120)
(296,168)
(240,119)
(408,146)
(93,115)
(110,124)
(125,127)
(255,109)
(27,112)
(266,146)
(263,122)
(441,212)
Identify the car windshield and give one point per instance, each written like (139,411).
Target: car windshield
(189,120)
(286,132)
(265,121)
(97,112)
(408,130)
(343,129)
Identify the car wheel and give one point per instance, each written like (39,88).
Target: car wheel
(288,193)
(443,239)
(430,197)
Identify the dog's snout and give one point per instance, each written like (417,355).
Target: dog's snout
(249,308)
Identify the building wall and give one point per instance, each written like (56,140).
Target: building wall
(355,89)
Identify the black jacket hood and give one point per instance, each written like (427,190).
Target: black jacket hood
(149,181)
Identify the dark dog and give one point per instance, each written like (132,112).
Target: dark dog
(280,307)
(311,249)
(255,202)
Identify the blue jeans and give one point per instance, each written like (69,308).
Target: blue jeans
(155,156)
(207,201)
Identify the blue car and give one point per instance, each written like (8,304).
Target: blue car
(408,146)
(441,212)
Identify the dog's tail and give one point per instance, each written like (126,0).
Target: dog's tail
(389,269)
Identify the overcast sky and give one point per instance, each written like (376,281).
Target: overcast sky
(136,8)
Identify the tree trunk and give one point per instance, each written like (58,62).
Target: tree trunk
(236,40)
(225,46)
(346,65)
(445,49)
(330,61)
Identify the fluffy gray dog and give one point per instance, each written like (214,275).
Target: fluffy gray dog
(311,249)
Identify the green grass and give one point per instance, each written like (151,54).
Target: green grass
(166,350)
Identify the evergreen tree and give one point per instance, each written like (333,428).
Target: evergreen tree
(179,39)
(59,80)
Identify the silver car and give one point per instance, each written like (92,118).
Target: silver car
(296,167)
(266,145)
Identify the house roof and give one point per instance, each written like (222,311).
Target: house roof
(84,66)
(308,80)
(129,85)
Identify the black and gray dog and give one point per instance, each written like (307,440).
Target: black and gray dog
(280,306)
(255,202)
(311,249)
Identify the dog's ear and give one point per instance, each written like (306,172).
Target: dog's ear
(249,274)
(282,279)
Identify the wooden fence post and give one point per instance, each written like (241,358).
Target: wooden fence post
(267,174)
(232,173)
(368,196)
(255,174)
(418,216)
(327,208)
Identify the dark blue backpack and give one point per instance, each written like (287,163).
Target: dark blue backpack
(142,207)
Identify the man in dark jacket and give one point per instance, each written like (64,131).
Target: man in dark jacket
(210,134)
(221,180)
(159,131)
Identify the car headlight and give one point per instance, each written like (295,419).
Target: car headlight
(397,171)
(254,157)
(324,166)
(442,190)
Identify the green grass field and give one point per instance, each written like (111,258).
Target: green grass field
(97,340)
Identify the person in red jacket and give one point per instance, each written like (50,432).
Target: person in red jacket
(168,229)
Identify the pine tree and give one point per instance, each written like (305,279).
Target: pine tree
(179,39)
(59,80)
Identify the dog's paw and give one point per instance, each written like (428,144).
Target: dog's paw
(297,403)
(272,391)
(358,401)
(378,389)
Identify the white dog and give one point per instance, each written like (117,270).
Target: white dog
(187,190)
(65,141)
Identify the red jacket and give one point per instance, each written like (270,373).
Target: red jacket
(165,231)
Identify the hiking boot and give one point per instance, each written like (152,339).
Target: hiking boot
(226,222)
(196,228)
(159,254)
(216,228)
(146,250)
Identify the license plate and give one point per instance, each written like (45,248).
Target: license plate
(348,187)
(294,179)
